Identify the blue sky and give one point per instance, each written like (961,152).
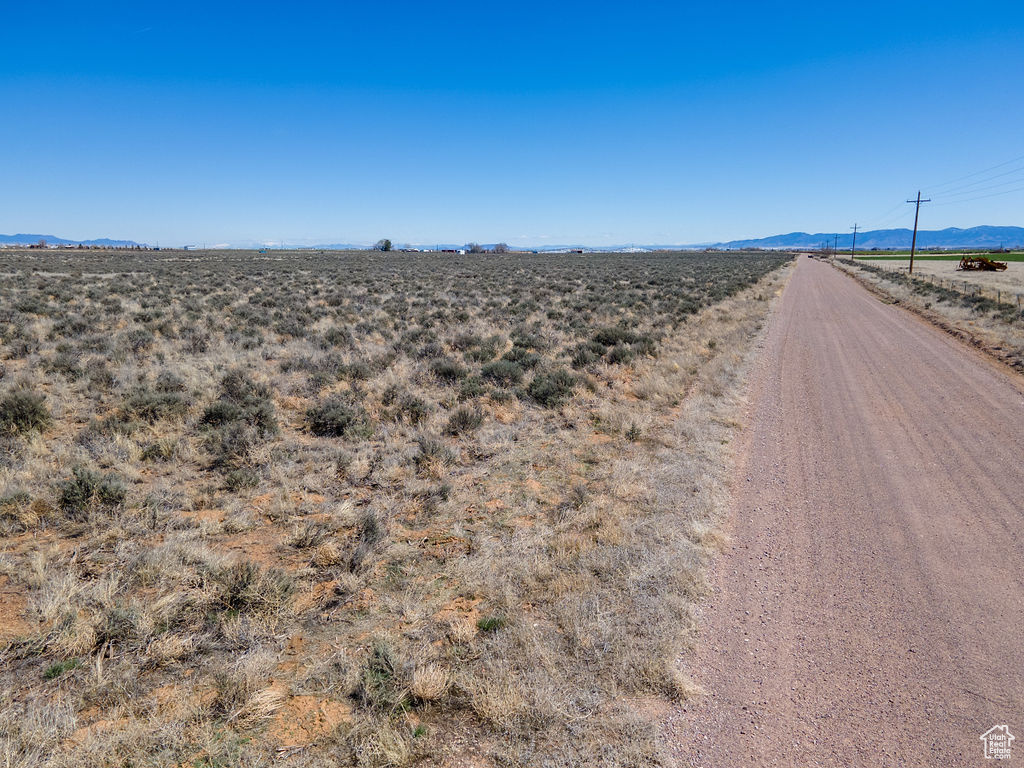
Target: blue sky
(529,123)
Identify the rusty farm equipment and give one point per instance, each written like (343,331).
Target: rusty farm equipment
(981,264)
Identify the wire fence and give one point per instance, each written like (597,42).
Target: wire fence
(963,287)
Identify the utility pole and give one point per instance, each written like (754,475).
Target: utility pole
(835,244)
(853,248)
(913,243)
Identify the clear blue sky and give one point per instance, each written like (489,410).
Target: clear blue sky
(524,122)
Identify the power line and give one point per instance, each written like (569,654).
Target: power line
(887,222)
(1006,183)
(954,189)
(982,197)
(936,187)
(898,206)
(976,183)
(885,217)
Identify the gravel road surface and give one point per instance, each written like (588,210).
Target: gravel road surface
(869,607)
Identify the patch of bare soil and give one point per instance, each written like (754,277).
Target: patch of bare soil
(12,611)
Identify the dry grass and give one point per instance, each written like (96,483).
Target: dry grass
(363,510)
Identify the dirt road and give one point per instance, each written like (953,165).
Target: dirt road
(869,609)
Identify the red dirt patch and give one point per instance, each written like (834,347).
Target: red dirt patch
(12,612)
(315,598)
(86,732)
(204,515)
(307,719)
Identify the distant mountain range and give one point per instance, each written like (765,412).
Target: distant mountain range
(882,239)
(52,240)
(885,239)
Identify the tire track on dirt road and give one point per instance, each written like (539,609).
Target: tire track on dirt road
(869,607)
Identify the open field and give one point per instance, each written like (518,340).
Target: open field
(1012,280)
(364,508)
